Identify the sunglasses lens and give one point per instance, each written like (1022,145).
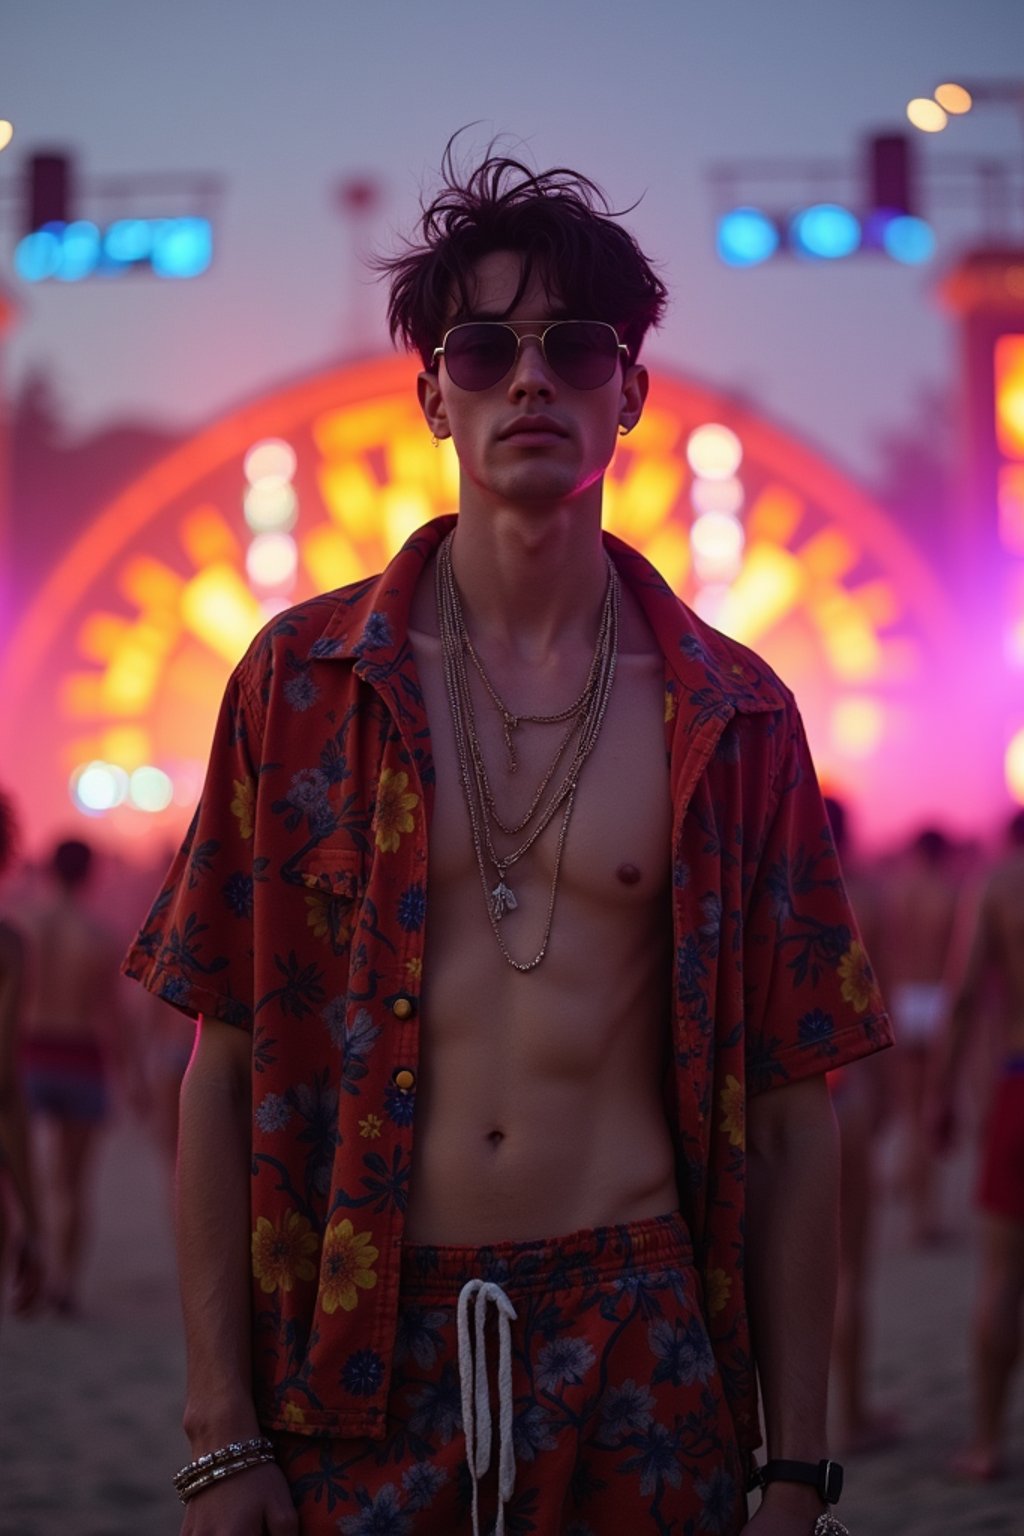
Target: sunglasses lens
(582,352)
(477,356)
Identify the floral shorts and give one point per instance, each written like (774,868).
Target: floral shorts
(614,1416)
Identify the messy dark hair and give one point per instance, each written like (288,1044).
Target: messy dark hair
(558,221)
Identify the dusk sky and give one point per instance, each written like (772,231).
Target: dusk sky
(285,100)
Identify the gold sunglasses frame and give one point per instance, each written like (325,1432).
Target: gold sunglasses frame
(548,325)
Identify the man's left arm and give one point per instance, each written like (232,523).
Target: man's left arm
(792,1259)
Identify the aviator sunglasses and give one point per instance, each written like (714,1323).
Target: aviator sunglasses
(582,353)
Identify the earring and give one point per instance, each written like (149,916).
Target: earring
(434,439)
(624,431)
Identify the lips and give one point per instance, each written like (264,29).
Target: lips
(533,426)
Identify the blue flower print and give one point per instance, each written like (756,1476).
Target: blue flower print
(658,1461)
(422,1483)
(362,1373)
(815,1032)
(307,793)
(383,1517)
(376,634)
(625,1410)
(399,1105)
(274,1113)
(301,692)
(683,1350)
(563,1360)
(719,1497)
(238,894)
(334,1017)
(532,1431)
(437,1410)
(419,1334)
(175,989)
(412,907)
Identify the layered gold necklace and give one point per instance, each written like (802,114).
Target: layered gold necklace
(583,720)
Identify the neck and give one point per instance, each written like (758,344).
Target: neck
(531,583)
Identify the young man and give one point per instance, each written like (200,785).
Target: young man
(518,938)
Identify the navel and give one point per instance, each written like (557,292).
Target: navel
(495,1138)
(628,874)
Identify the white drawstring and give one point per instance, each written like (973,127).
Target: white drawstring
(476,1398)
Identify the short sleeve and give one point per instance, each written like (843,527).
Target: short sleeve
(810,995)
(195,949)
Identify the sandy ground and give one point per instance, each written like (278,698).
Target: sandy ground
(89,1410)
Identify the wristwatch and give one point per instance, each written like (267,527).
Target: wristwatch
(825,1476)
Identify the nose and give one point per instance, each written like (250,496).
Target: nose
(531,375)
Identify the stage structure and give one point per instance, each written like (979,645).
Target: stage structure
(114,675)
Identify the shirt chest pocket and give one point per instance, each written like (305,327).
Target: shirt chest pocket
(333,880)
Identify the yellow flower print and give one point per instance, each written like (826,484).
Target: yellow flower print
(731,1101)
(670,706)
(719,1286)
(244,806)
(394,802)
(347,1263)
(857,977)
(324,914)
(294,1415)
(371,1127)
(415,967)
(281,1255)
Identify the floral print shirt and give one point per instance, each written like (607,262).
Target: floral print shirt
(296,910)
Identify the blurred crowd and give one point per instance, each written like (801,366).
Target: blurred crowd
(943,925)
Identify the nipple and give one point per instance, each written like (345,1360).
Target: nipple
(628,874)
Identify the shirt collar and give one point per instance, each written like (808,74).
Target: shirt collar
(371,621)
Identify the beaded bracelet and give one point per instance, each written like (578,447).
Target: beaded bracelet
(238,1456)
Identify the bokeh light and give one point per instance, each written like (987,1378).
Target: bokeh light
(1015,766)
(150,789)
(6,132)
(717,495)
(825,232)
(271,506)
(272,560)
(926,114)
(714,451)
(954,99)
(909,240)
(717,541)
(271,459)
(746,237)
(97,787)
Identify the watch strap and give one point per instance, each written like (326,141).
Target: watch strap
(825,1476)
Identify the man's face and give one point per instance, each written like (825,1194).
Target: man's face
(530,438)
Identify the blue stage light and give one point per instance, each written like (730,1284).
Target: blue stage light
(825,232)
(746,237)
(79,251)
(37,256)
(909,240)
(181,247)
(128,241)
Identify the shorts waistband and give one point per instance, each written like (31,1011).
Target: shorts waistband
(547,1264)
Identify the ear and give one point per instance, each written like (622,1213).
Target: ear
(428,392)
(635,382)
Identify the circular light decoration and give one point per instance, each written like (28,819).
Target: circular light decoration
(271,506)
(746,237)
(150,789)
(271,561)
(717,496)
(6,132)
(1015,767)
(97,787)
(154,606)
(272,459)
(927,115)
(714,452)
(954,99)
(717,540)
(825,232)
(909,240)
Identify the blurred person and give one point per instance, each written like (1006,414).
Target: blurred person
(921,901)
(69,1047)
(862,1102)
(993,967)
(611,1031)
(20,1253)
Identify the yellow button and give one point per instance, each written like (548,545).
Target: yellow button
(405,1080)
(403,1008)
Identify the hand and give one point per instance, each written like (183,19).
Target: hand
(786,1509)
(256,1502)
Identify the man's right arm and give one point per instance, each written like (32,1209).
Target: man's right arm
(214,1245)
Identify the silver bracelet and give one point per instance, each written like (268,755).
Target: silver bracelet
(223,1462)
(827,1525)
